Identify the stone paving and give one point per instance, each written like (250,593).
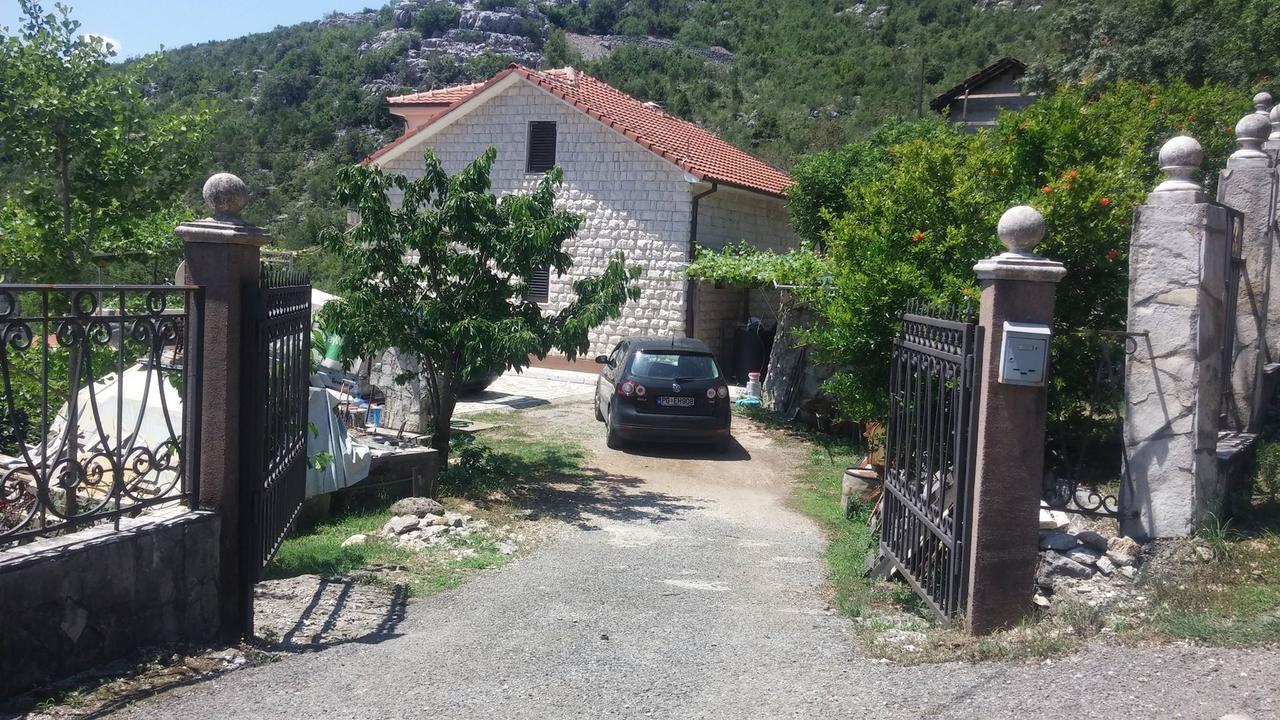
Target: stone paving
(531,388)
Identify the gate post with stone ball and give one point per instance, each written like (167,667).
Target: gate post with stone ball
(1018,292)
(222,256)
(1174,380)
(1248,185)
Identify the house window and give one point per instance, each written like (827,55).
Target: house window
(542,147)
(539,285)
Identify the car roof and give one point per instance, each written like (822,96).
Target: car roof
(677,343)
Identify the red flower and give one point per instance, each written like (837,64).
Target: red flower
(1046,189)
(1104,201)
(1112,254)
(918,236)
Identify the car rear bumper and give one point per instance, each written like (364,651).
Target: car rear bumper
(633,425)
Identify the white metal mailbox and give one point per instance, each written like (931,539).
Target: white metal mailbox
(1024,353)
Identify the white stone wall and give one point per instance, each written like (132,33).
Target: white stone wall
(714,309)
(730,216)
(633,200)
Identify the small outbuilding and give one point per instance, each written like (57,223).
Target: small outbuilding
(978,99)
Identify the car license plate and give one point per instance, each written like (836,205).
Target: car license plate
(675,401)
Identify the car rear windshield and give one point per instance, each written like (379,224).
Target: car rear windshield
(667,365)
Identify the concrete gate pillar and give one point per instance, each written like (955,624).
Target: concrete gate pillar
(1174,381)
(1017,287)
(222,256)
(1248,185)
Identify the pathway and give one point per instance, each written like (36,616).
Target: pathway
(684,588)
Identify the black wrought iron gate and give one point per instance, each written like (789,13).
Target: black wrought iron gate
(929,454)
(277,368)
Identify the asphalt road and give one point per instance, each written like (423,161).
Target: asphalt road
(683,587)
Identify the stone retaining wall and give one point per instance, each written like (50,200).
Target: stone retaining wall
(70,603)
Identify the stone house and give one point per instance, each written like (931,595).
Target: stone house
(650,185)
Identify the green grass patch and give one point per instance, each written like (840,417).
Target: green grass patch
(1232,600)
(494,468)
(509,459)
(318,550)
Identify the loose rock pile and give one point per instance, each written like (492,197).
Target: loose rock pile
(1085,563)
(418,523)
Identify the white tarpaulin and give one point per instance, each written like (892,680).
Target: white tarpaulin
(350,463)
(137,413)
(320,298)
(149,411)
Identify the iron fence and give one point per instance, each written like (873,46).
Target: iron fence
(929,454)
(1088,470)
(96,418)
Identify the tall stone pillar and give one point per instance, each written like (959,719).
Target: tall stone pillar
(222,256)
(1248,185)
(1174,381)
(1017,287)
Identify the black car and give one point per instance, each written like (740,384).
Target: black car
(664,389)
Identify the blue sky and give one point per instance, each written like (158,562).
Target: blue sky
(142,26)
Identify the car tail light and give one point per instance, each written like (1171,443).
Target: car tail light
(627,389)
(711,393)
(723,391)
(640,391)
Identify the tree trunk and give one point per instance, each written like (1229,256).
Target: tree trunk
(443,402)
(64,185)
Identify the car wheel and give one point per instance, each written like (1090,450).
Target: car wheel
(612,439)
(599,415)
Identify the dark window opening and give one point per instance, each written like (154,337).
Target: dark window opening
(539,285)
(542,147)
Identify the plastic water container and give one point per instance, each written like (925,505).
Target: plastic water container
(375,416)
(753,384)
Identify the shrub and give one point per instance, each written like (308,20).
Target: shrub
(904,216)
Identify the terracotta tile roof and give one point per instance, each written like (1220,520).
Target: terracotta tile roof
(439,96)
(694,149)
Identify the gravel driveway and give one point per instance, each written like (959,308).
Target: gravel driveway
(683,587)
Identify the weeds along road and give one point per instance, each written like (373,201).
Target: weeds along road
(682,586)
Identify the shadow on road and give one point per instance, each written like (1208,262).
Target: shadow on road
(339,611)
(605,496)
(733,452)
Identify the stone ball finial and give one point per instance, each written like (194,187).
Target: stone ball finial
(1181,155)
(1251,132)
(1262,103)
(1180,160)
(1021,228)
(1274,116)
(225,194)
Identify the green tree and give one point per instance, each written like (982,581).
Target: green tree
(86,161)
(443,275)
(558,53)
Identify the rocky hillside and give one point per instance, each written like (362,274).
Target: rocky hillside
(780,79)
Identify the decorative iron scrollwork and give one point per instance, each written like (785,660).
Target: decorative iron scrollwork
(94,420)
